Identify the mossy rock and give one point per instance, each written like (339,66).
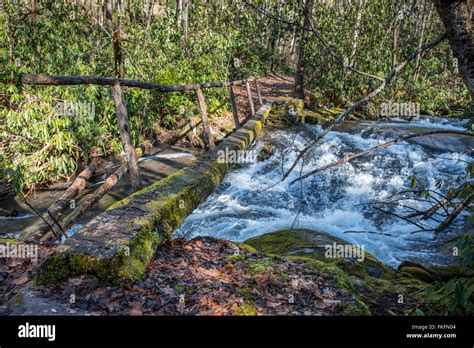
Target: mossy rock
(226,129)
(413,270)
(288,110)
(314,117)
(416,271)
(247,308)
(9,241)
(312,244)
(363,279)
(372,283)
(445,273)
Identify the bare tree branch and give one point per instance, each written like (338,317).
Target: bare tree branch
(381,146)
(454,214)
(388,78)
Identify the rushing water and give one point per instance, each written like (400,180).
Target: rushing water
(252,200)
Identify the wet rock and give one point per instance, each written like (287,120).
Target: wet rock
(417,273)
(266,152)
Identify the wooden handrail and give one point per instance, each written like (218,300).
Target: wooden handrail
(53,80)
(121,111)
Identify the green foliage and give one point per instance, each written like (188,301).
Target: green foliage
(457,294)
(226,40)
(412,179)
(434,85)
(39,144)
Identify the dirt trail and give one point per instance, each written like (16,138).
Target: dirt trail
(271,87)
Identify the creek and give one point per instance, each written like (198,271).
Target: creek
(252,200)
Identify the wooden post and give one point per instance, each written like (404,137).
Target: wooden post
(128,148)
(259,94)
(249,94)
(205,121)
(233,105)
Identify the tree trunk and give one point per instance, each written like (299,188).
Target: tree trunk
(177,15)
(33,10)
(355,35)
(425,18)
(395,45)
(273,41)
(455,15)
(300,65)
(185,21)
(117,44)
(108,13)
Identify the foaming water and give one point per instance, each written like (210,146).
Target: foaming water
(252,200)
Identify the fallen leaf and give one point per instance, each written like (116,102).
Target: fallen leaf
(229,266)
(135,312)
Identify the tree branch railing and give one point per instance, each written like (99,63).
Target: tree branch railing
(116,85)
(54,80)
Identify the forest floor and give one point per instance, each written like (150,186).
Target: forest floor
(203,276)
(271,87)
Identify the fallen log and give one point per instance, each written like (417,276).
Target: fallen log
(88,202)
(49,218)
(118,245)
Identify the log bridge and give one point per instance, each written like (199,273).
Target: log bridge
(116,85)
(118,245)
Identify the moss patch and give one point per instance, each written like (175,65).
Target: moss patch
(375,286)
(247,308)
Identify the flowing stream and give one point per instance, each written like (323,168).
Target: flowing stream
(252,200)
